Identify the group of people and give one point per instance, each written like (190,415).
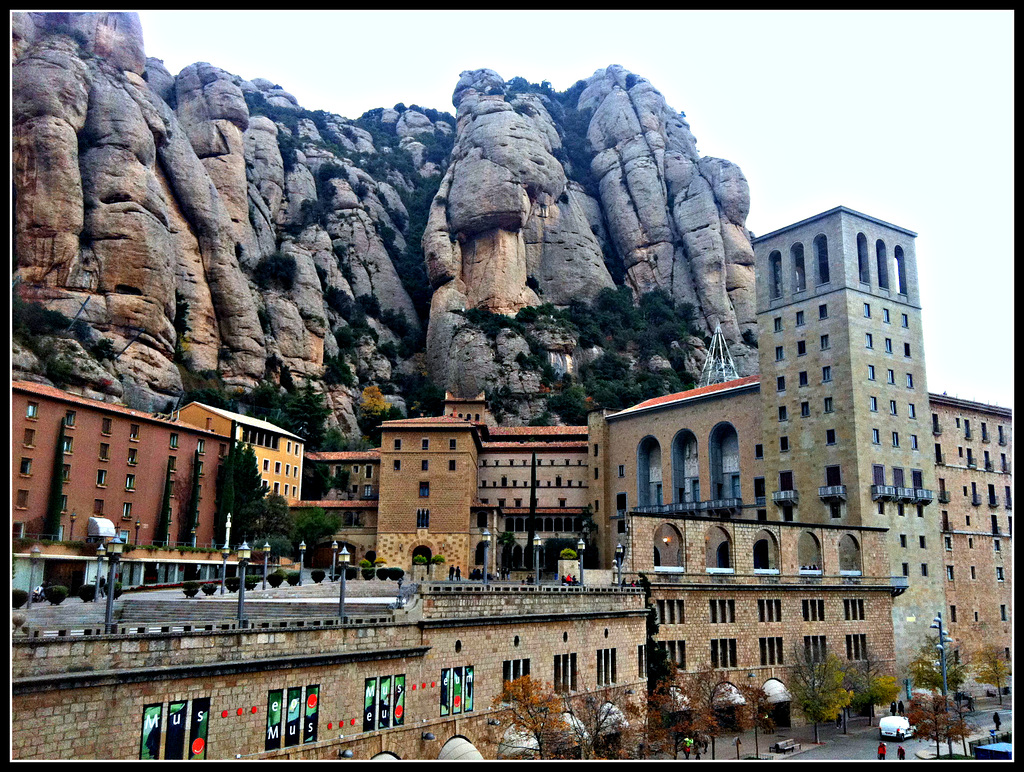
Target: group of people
(694,746)
(570,579)
(454,573)
(901,752)
(896,708)
(810,568)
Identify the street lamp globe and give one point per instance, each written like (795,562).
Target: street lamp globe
(344,555)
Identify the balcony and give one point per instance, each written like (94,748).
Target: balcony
(883,493)
(989,467)
(972,464)
(944,497)
(898,585)
(940,459)
(994,503)
(722,507)
(975,500)
(936,430)
(672,508)
(1002,441)
(760,501)
(905,495)
(785,497)
(832,493)
(923,495)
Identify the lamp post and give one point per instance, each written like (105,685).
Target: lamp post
(334,559)
(486,536)
(344,570)
(941,646)
(71,532)
(266,558)
(302,559)
(33,559)
(225,551)
(580,547)
(100,552)
(619,553)
(243,562)
(536,559)
(116,547)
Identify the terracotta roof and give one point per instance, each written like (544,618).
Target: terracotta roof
(681,396)
(331,504)
(544,510)
(498,431)
(247,420)
(64,396)
(344,455)
(555,444)
(427,421)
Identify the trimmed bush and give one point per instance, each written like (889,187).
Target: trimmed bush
(364,563)
(191,589)
(231,583)
(117,590)
(318,574)
(367,573)
(293,578)
(379,562)
(382,573)
(56,594)
(351,572)
(18,598)
(209,588)
(275,579)
(87,592)
(419,560)
(567,554)
(437,559)
(251,580)
(395,573)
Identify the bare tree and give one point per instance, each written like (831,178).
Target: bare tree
(816,683)
(699,693)
(533,712)
(756,712)
(871,682)
(934,717)
(593,716)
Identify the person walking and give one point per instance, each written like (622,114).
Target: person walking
(899,708)
(892,709)
(881,751)
(901,753)
(996,720)
(103,586)
(451,573)
(458,573)
(687,746)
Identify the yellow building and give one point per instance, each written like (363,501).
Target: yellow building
(279,452)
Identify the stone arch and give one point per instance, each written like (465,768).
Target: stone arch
(648,472)
(821,257)
(775,270)
(849,553)
(766,550)
(724,455)
(423,550)
(796,255)
(863,266)
(808,550)
(780,699)
(478,555)
(685,467)
(481,519)
(370,555)
(883,267)
(669,547)
(901,269)
(517,556)
(717,548)
(386,756)
(458,748)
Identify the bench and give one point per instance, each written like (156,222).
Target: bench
(785,746)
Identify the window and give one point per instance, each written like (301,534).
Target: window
(801,348)
(266,465)
(821,255)
(826,374)
(564,667)
(606,667)
(277,467)
(778,324)
(29,440)
(913,442)
(823,311)
(890,376)
(133,456)
(456,693)
(903,540)
(769,610)
(771,650)
(367,491)
(424,465)
(796,253)
(853,608)
(425,490)
(201,446)
(799,318)
(857,646)
(924,569)
(32,410)
(895,439)
(784,444)
(873,404)
(758,451)
(129,483)
(780,354)
(425,444)
(906,320)
(911,410)
(775,266)
(69,444)
(871,372)
(511,669)
(828,405)
(888,345)
(813,609)
(641,660)
(869,341)
(722,611)
(805,409)
(783,416)
(398,444)
(451,465)
(101,477)
(723,652)
(104,451)
(815,647)
(422,518)
(26,466)
(949,573)
(133,432)
(368,472)
(875,438)
(780,383)
(999,573)
(1002,612)
(867,310)
(824,342)
(830,436)
(126,511)
(622,470)
(910,380)
(452,444)
(803,378)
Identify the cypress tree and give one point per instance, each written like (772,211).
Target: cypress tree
(193,501)
(163,529)
(54,508)
(225,493)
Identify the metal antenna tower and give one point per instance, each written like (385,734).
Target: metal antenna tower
(718,367)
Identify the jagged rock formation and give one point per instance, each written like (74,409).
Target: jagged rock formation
(507,213)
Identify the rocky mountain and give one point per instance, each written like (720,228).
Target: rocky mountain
(204,230)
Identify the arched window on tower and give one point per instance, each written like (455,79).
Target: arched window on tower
(796,254)
(862,259)
(901,270)
(821,253)
(775,268)
(883,268)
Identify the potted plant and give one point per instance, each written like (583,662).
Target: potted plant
(318,574)
(56,593)
(191,589)
(293,578)
(18,598)
(232,583)
(274,579)
(209,588)
(87,592)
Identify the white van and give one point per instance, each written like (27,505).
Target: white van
(895,727)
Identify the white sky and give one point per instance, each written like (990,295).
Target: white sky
(905,116)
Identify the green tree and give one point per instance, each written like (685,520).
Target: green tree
(304,413)
(55,506)
(263,517)
(992,669)
(163,528)
(816,684)
(871,684)
(373,411)
(225,491)
(659,669)
(312,524)
(926,668)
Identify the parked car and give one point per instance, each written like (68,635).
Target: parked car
(896,727)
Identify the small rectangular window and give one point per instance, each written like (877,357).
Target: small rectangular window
(871,372)
(803,378)
(801,348)
(826,374)
(824,342)
(451,465)
(888,345)
(799,318)
(425,444)
(830,436)
(758,452)
(780,383)
(868,340)
(867,310)
(910,380)
(823,311)
(783,415)
(398,444)
(425,490)
(906,320)
(32,410)
(778,324)
(805,409)
(828,405)
(784,444)
(133,432)
(780,354)
(885,315)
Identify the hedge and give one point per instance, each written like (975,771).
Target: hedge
(293,578)
(367,573)
(56,593)
(87,592)
(18,598)
(318,575)
(275,579)
(209,588)
(395,573)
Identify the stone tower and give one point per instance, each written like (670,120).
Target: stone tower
(845,420)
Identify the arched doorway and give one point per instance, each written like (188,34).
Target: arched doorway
(809,551)
(423,550)
(718,548)
(849,555)
(766,551)
(386,756)
(724,454)
(648,472)
(517,557)
(780,699)
(685,470)
(458,748)
(668,546)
